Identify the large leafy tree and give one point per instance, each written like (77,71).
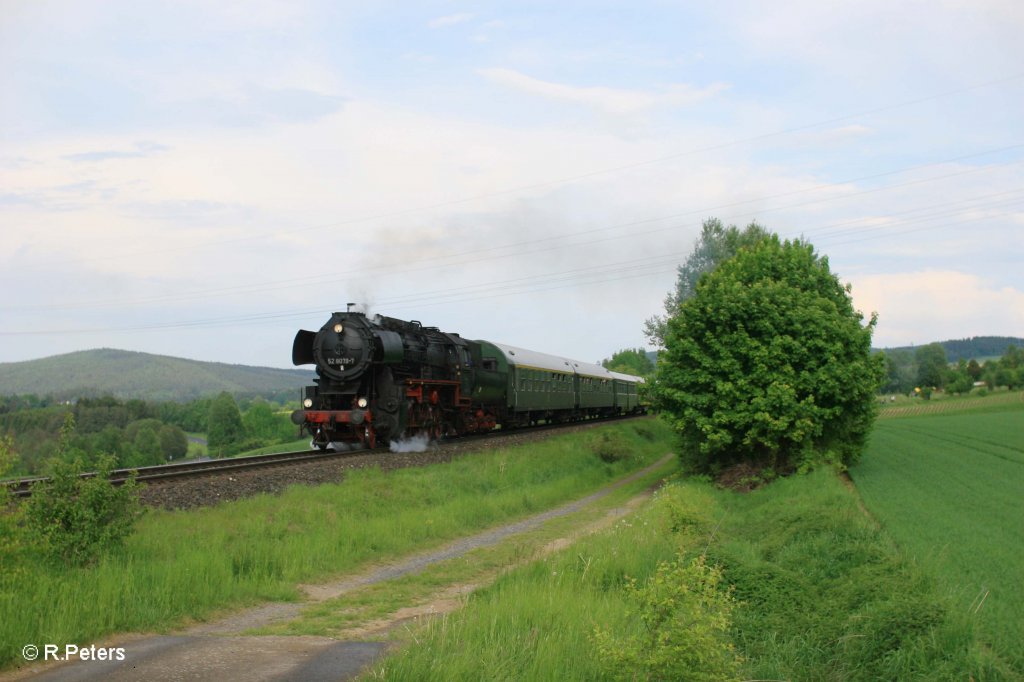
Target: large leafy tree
(630,361)
(716,244)
(932,366)
(173,442)
(900,371)
(224,425)
(769,362)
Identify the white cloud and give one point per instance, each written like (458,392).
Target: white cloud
(893,45)
(936,305)
(449,20)
(609,100)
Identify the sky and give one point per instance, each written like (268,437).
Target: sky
(202,179)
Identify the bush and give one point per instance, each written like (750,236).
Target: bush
(685,616)
(76,519)
(610,447)
(11,540)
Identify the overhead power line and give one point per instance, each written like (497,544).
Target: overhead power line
(589,276)
(553,182)
(559,240)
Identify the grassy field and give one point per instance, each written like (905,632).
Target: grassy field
(948,486)
(197,447)
(188,565)
(928,588)
(817,592)
(943,403)
(292,446)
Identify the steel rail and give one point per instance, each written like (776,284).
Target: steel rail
(166,472)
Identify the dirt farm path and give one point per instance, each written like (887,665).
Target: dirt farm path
(220,651)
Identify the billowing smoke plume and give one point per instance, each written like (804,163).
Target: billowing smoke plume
(365,309)
(363,305)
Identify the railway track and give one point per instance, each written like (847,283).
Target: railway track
(214,467)
(181,470)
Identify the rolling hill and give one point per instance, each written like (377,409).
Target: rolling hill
(128,374)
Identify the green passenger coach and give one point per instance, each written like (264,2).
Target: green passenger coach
(553,388)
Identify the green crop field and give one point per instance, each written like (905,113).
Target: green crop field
(904,406)
(949,489)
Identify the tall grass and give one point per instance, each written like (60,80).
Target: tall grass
(822,594)
(950,491)
(537,622)
(187,565)
(827,596)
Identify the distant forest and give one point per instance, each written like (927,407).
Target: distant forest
(976,347)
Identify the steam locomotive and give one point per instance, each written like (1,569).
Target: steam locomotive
(381,380)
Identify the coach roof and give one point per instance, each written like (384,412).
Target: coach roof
(530,358)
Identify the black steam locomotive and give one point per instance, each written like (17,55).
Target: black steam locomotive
(381,379)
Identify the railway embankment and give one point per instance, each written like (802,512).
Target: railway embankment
(186,567)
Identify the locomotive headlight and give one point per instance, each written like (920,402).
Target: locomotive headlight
(307,403)
(362,403)
(338,328)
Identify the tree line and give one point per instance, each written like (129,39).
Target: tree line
(927,369)
(133,432)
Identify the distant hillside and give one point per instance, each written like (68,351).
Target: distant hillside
(126,374)
(976,347)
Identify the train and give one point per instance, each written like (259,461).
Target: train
(382,380)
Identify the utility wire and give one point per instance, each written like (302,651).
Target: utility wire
(529,247)
(587,276)
(557,181)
